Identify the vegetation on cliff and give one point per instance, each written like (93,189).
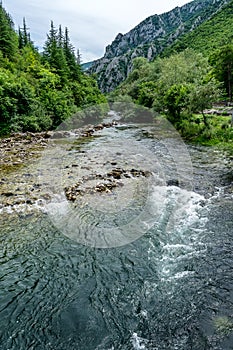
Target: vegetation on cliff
(157,33)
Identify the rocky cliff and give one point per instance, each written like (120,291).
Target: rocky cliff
(150,38)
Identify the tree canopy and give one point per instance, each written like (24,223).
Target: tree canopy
(40,90)
(176,86)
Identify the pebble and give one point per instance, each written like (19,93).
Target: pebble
(109,182)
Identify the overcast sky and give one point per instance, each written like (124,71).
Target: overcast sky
(93,24)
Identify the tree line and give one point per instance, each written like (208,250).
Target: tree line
(181,87)
(38,90)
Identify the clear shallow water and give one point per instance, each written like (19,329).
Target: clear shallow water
(171,288)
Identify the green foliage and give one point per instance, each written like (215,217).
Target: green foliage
(30,123)
(175,100)
(202,97)
(212,38)
(86,92)
(191,128)
(59,53)
(54,55)
(73,62)
(146,93)
(219,130)
(24,38)
(38,92)
(177,86)
(222,61)
(8,37)
(16,95)
(209,35)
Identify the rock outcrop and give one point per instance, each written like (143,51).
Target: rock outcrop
(150,38)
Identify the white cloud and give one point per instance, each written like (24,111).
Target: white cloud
(92,24)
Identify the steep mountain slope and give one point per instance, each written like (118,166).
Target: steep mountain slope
(209,35)
(150,38)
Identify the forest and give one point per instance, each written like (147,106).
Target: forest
(38,90)
(193,91)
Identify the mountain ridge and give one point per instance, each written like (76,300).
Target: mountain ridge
(149,38)
(209,36)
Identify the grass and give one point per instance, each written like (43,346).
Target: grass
(218,132)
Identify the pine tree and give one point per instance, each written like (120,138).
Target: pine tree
(78,57)
(71,59)
(20,39)
(24,36)
(8,37)
(51,43)
(60,37)
(54,54)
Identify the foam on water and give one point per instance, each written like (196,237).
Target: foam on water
(25,208)
(138,342)
(170,207)
(179,231)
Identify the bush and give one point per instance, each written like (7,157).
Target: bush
(190,129)
(25,123)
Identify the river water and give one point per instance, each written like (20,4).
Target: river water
(146,266)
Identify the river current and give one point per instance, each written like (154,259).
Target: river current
(147,266)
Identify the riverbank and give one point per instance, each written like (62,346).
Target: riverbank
(20,154)
(218,130)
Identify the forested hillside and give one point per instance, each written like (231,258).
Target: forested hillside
(40,90)
(150,38)
(209,35)
(201,57)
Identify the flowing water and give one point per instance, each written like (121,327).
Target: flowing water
(160,276)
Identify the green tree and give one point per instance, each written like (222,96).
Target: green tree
(24,38)
(202,97)
(39,91)
(175,101)
(72,61)
(185,84)
(176,86)
(8,37)
(16,96)
(146,93)
(186,67)
(54,54)
(222,61)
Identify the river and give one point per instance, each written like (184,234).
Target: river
(147,265)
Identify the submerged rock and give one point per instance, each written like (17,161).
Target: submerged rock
(109,182)
(173,182)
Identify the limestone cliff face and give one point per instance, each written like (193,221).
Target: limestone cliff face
(150,38)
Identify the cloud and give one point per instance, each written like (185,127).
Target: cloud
(92,24)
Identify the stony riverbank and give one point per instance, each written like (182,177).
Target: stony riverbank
(21,184)
(19,148)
